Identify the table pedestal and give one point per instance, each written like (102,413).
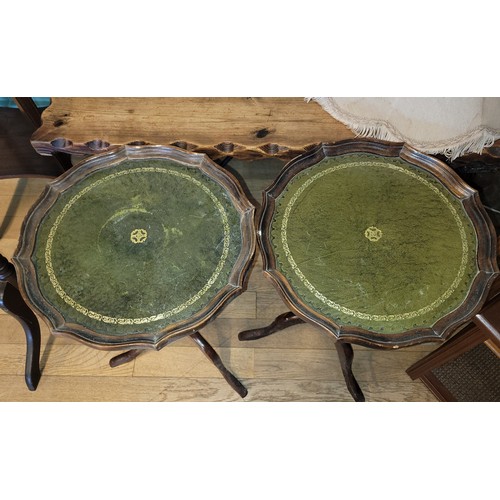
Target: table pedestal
(344,350)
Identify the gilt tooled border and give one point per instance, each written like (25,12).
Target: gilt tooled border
(358,314)
(147,319)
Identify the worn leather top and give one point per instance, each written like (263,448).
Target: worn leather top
(374,242)
(137,247)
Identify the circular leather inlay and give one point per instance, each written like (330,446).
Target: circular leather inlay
(374,242)
(137,247)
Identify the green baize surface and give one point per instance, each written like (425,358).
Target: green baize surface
(137,247)
(374,243)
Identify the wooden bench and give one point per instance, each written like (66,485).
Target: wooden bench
(242,127)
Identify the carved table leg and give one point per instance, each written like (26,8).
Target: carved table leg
(12,302)
(280,323)
(210,353)
(344,350)
(207,349)
(346,355)
(125,357)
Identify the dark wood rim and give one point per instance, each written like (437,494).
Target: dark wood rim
(237,282)
(469,198)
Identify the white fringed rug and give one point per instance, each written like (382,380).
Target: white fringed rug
(452,126)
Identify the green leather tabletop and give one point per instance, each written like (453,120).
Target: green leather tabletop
(137,247)
(374,242)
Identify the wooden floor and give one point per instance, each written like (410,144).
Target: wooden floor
(299,364)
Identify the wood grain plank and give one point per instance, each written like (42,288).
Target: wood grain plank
(146,389)
(8,247)
(306,390)
(17,204)
(243,306)
(11,331)
(270,304)
(258,282)
(322,364)
(190,362)
(22,187)
(239,126)
(117,389)
(64,360)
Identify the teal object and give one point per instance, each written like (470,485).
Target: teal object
(8,102)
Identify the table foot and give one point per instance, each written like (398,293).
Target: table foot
(125,357)
(207,349)
(283,321)
(346,355)
(210,353)
(344,350)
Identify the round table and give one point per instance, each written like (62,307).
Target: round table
(136,248)
(378,244)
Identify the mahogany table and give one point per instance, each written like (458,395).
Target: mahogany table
(377,244)
(136,248)
(241,127)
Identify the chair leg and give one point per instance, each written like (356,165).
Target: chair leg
(210,353)
(12,302)
(280,323)
(125,357)
(346,355)
(33,114)
(30,110)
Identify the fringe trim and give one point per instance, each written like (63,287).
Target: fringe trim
(473,142)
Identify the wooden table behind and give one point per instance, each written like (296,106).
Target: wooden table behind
(243,127)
